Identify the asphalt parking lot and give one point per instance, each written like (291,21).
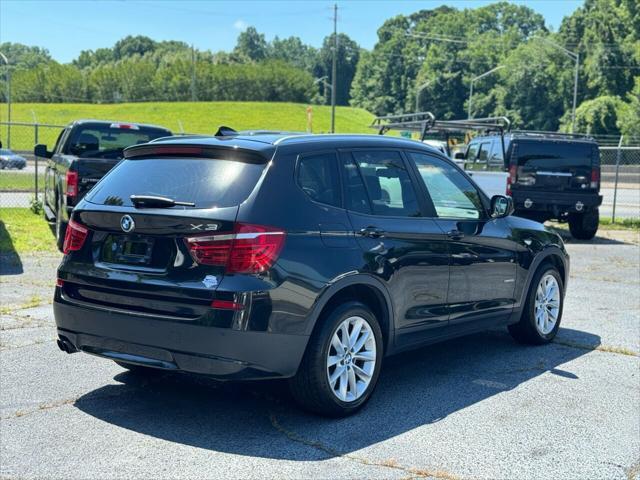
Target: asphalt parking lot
(477,407)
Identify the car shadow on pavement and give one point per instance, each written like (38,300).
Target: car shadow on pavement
(260,419)
(10,262)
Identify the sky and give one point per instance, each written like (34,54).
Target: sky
(67,27)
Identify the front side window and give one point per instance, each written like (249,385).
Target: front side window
(452,194)
(318,178)
(386,182)
(483,155)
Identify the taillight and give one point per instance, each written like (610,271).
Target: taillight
(227,305)
(74,237)
(512,178)
(72,183)
(595,177)
(248,249)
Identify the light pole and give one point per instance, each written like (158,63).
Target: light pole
(334,68)
(6,62)
(576,57)
(419,91)
(471,87)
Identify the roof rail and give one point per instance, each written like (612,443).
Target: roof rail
(415,122)
(559,135)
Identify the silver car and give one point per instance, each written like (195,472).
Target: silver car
(9,159)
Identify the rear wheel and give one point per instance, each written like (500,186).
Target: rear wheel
(584,226)
(61,226)
(342,363)
(542,312)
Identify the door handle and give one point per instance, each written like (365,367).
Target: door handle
(372,232)
(455,234)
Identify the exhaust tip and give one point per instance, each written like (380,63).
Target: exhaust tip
(65,345)
(62,346)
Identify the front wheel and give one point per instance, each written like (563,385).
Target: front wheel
(584,226)
(542,312)
(342,362)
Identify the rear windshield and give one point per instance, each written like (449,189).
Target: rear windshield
(547,155)
(109,140)
(204,181)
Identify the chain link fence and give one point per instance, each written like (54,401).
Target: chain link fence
(620,169)
(22,177)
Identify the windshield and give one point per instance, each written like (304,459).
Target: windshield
(4,151)
(206,182)
(108,141)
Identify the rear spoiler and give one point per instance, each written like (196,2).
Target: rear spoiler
(151,150)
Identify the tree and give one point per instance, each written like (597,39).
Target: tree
(251,45)
(346,60)
(24,56)
(597,116)
(291,50)
(130,46)
(629,115)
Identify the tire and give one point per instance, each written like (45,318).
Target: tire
(60,226)
(584,226)
(311,386)
(528,330)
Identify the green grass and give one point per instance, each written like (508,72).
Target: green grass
(22,231)
(11,181)
(621,223)
(195,117)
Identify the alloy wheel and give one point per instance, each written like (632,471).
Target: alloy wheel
(351,359)
(547,304)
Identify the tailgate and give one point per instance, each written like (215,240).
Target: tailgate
(90,171)
(554,165)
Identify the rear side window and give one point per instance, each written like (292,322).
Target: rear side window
(206,182)
(387,186)
(109,140)
(538,155)
(318,177)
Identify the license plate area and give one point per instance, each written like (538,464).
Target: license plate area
(132,250)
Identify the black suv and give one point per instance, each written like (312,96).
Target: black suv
(551,176)
(308,257)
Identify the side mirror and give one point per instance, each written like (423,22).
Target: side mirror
(501,206)
(40,150)
(459,155)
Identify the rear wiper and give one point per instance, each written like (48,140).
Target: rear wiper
(155,201)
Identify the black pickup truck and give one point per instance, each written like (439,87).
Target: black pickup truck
(84,152)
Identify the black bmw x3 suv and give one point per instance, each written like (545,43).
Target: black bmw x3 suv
(307,257)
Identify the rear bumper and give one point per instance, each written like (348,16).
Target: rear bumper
(223,353)
(555,202)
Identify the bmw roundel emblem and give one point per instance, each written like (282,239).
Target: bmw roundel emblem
(127,224)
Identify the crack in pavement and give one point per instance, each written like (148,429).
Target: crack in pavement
(392,464)
(600,348)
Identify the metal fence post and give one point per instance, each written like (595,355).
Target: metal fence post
(35,129)
(615,185)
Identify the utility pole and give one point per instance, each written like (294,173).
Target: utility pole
(334,68)
(6,62)
(193,74)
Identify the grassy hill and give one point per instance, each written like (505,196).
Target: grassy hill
(191,117)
